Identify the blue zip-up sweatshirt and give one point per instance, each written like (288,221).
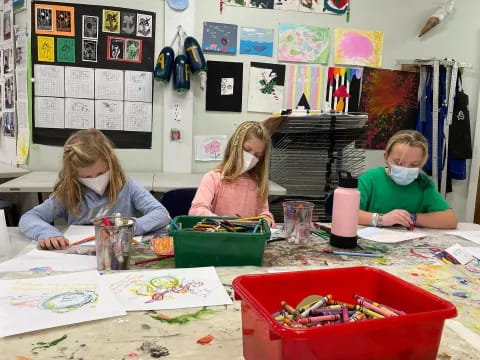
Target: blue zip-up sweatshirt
(133,197)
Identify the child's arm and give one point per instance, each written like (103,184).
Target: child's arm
(265,212)
(202,203)
(35,223)
(155,216)
(445,219)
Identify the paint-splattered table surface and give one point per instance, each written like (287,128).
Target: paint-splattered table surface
(138,335)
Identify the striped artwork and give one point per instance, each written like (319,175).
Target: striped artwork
(304,87)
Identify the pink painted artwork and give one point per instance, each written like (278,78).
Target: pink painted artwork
(358,47)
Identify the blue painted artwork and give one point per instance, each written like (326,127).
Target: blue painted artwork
(256,41)
(218,37)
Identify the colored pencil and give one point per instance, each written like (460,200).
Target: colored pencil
(174,224)
(351,253)
(87,239)
(144,261)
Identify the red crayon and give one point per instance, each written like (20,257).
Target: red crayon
(318,319)
(345,314)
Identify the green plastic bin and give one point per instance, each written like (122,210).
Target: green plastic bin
(216,249)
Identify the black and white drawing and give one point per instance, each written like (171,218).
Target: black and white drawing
(90,27)
(44,19)
(89,50)
(128,23)
(116,49)
(144,25)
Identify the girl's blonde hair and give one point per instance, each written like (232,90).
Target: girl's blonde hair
(411,138)
(81,150)
(232,163)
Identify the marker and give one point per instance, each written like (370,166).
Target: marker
(352,253)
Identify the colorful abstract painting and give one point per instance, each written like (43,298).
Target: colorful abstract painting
(390,99)
(304,87)
(343,89)
(266,87)
(256,41)
(358,47)
(219,37)
(303,43)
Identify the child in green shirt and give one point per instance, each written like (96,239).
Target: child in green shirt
(401,193)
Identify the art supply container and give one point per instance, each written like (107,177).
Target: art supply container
(297,220)
(415,335)
(217,248)
(113,238)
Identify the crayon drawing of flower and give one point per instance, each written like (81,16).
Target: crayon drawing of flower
(212,148)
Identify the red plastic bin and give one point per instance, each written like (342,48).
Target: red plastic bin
(413,336)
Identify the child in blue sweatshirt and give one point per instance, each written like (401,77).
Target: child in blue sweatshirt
(90,184)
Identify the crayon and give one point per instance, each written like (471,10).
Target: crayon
(369,312)
(318,319)
(320,303)
(383,306)
(326,311)
(289,309)
(345,314)
(332,303)
(144,261)
(357,316)
(378,310)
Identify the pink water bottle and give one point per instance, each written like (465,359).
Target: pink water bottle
(346,203)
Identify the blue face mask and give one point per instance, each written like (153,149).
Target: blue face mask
(403,175)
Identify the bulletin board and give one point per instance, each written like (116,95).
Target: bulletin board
(93,64)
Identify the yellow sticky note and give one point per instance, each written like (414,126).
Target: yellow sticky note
(46,48)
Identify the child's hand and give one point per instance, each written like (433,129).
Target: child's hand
(394,217)
(58,242)
(270,222)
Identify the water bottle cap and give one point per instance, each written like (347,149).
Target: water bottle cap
(346,180)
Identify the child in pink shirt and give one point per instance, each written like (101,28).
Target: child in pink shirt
(239,185)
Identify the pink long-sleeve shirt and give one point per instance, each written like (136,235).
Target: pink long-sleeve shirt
(215,197)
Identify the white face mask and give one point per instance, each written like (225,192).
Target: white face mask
(97,184)
(249,161)
(403,175)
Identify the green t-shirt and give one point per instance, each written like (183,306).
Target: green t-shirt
(380,194)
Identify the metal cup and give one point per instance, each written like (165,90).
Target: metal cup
(113,238)
(297,220)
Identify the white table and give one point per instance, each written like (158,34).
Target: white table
(163,182)
(9,171)
(44,181)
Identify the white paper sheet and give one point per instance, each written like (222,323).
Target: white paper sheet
(45,260)
(210,148)
(388,236)
(79,113)
(80,82)
(57,300)
(474,251)
(108,115)
(109,84)
(49,112)
(138,116)
(138,86)
(473,236)
(168,288)
(49,80)
(21,82)
(22,114)
(459,253)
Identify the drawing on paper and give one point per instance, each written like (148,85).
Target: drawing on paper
(219,37)
(7,25)
(347,82)
(69,301)
(65,50)
(89,50)
(358,47)
(337,7)
(43,19)
(79,113)
(144,25)
(256,41)
(175,135)
(261,4)
(64,20)
(7,60)
(8,128)
(138,116)
(304,87)
(293,5)
(166,288)
(23,144)
(111,21)
(46,48)
(90,27)
(266,87)
(210,148)
(133,50)
(9,93)
(108,115)
(303,43)
(115,48)
(128,23)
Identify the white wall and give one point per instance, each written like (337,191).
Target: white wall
(457,37)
